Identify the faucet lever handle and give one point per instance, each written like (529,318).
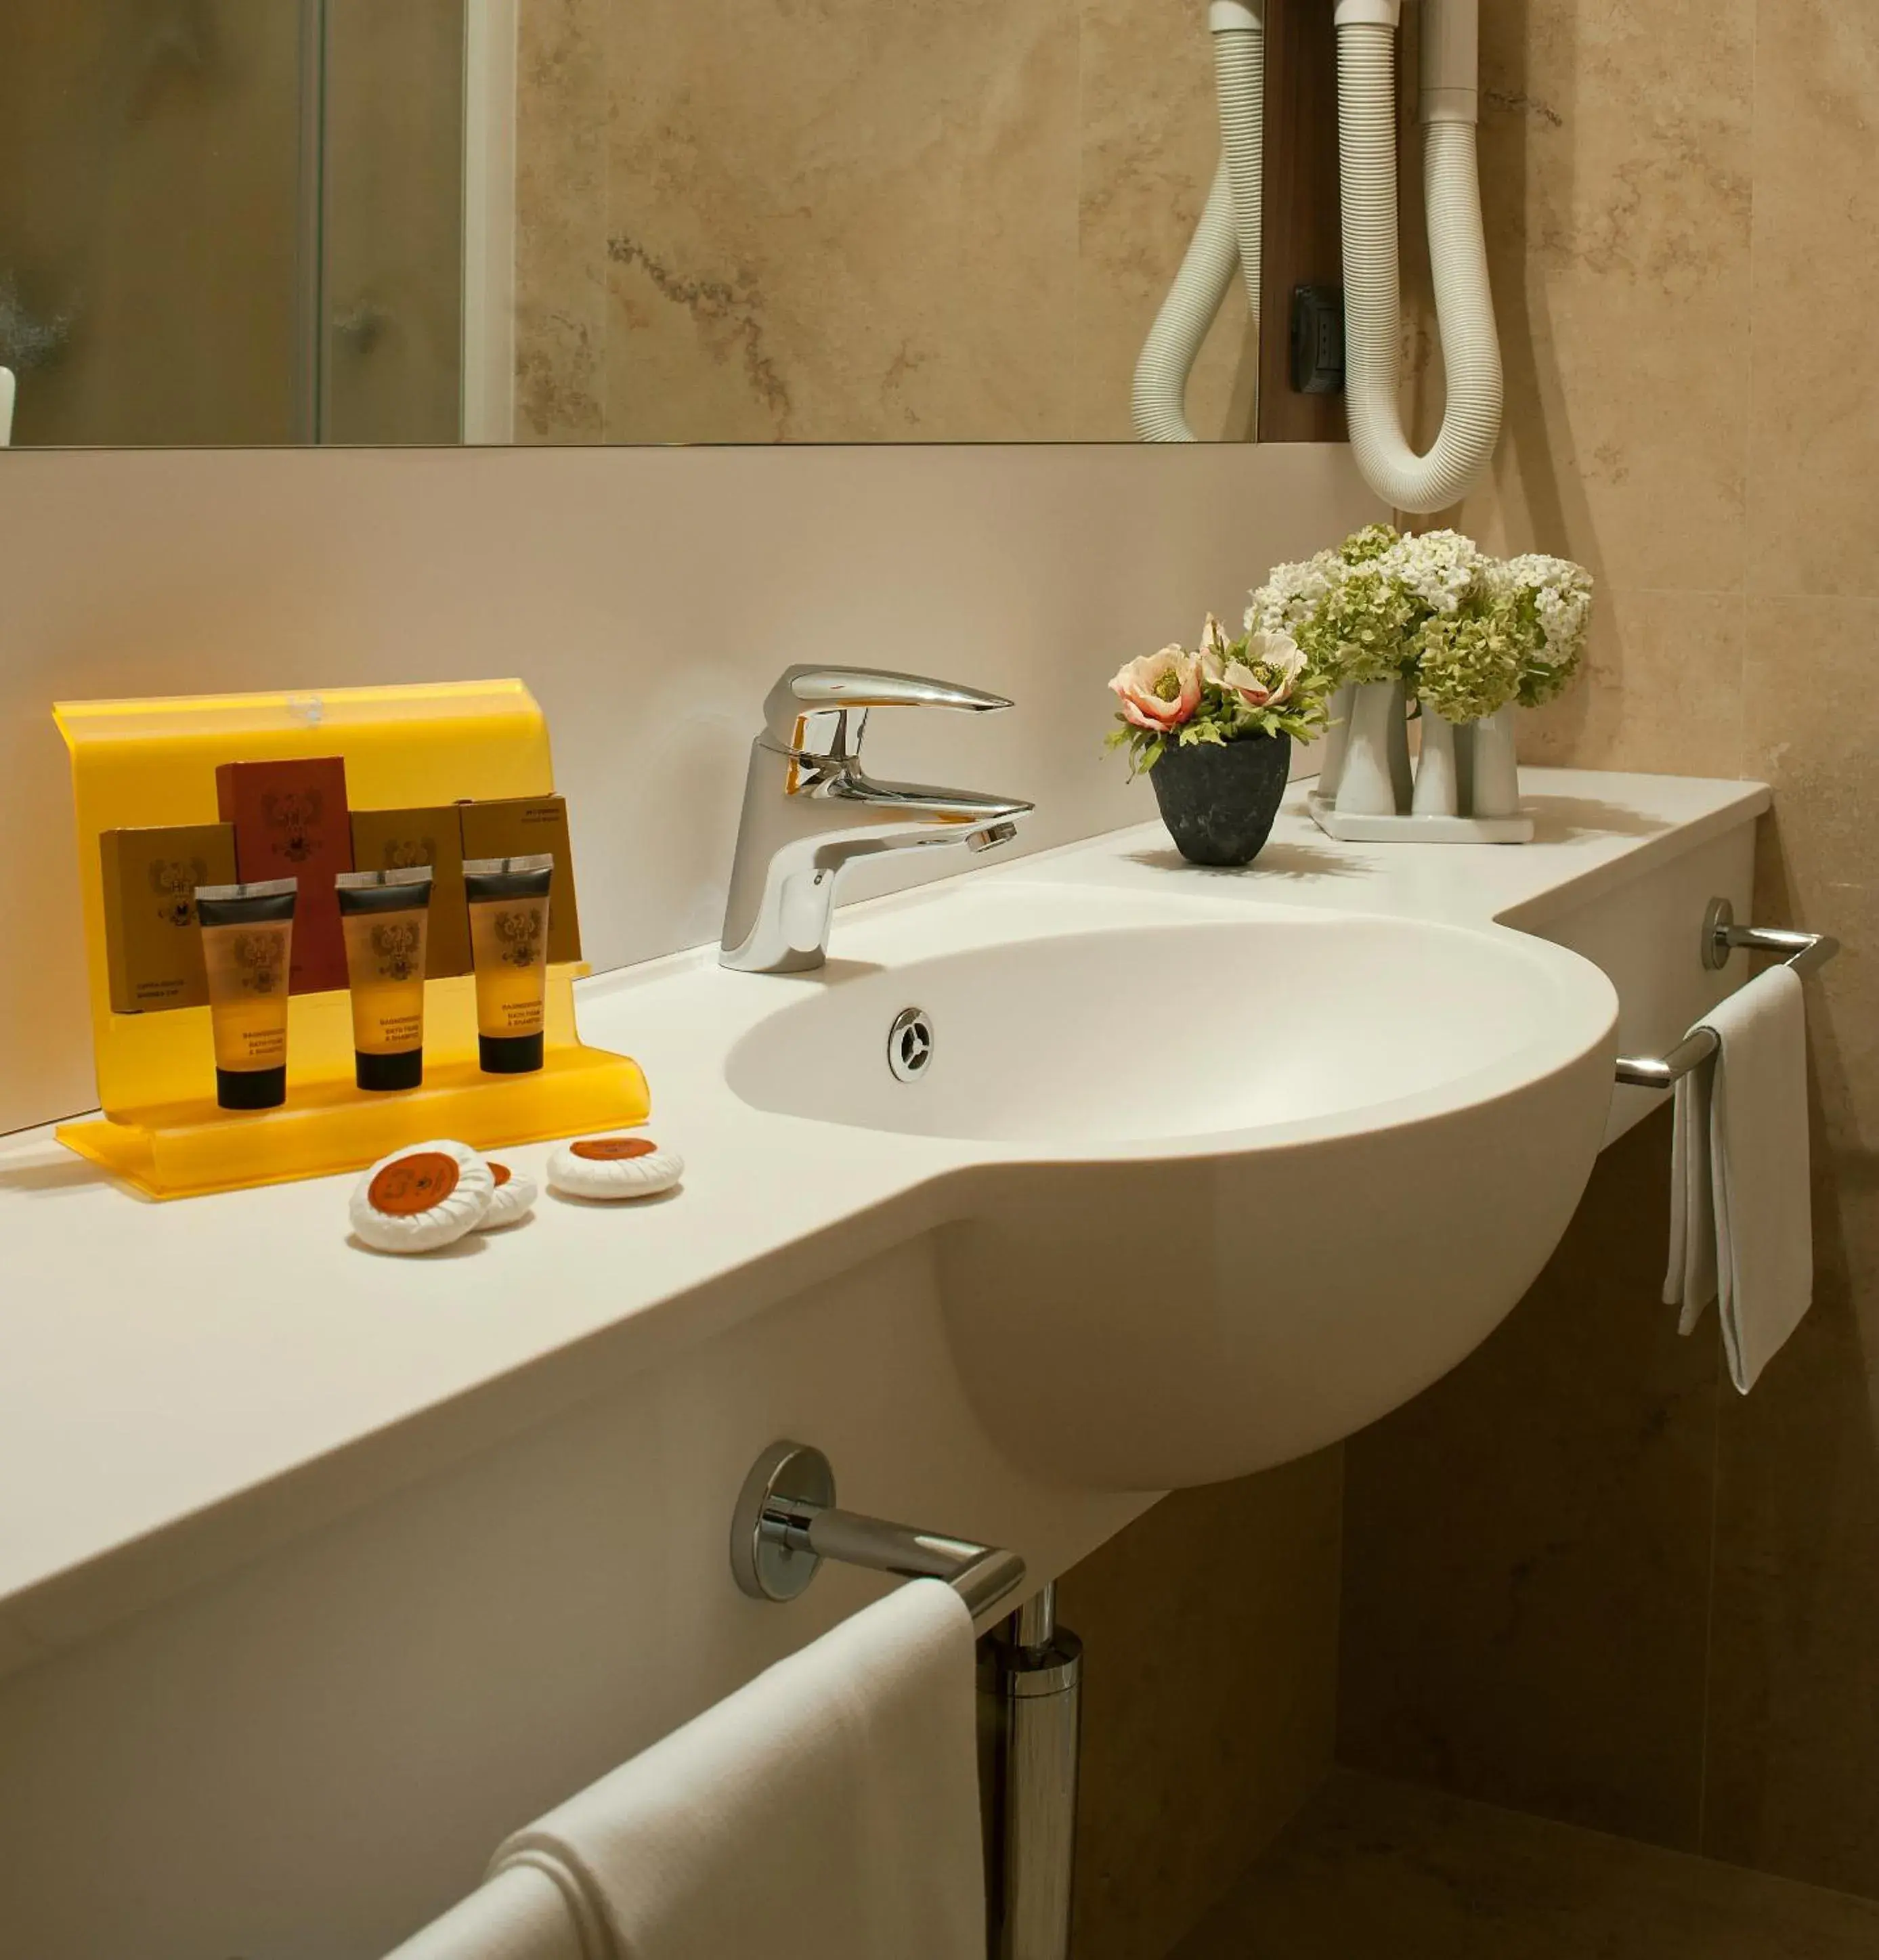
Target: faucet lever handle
(808,710)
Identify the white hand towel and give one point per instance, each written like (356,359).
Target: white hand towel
(828,1811)
(1741,1223)
(522,1914)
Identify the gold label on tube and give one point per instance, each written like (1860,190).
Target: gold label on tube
(508,940)
(248,969)
(385,955)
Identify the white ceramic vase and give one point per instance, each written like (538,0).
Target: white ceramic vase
(1496,773)
(1336,742)
(1375,778)
(1437,770)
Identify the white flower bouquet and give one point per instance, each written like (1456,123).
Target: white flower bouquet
(1434,619)
(1467,633)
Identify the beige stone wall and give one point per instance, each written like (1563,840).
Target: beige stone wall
(1210,1694)
(1651,1605)
(843,222)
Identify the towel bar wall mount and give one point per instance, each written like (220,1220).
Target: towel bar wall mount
(1805,951)
(786,1524)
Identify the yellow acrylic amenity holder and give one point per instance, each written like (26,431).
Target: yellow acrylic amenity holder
(140,762)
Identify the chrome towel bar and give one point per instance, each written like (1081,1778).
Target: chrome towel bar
(1805,951)
(786,1524)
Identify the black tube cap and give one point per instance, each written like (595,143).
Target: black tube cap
(389,1071)
(509,1055)
(251,1088)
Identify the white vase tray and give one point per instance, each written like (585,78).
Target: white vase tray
(1349,828)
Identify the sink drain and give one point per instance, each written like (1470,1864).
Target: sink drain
(909,1044)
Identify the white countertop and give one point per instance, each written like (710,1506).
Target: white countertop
(185,1384)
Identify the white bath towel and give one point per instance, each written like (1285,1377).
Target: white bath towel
(1741,1224)
(828,1811)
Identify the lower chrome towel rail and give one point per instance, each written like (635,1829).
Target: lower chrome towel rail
(1805,951)
(786,1524)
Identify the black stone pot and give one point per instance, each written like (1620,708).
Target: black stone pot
(1219,800)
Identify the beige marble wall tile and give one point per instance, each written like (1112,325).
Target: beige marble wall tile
(1376,1868)
(1816,483)
(1615,167)
(836,222)
(561,221)
(1661,690)
(1812,718)
(1527,1544)
(1150,145)
(1210,1628)
(1795,1715)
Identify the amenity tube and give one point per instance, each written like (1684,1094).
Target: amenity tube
(508,947)
(247,944)
(1228,234)
(1464,302)
(384,916)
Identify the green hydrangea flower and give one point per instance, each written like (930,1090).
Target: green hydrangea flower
(1469,631)
(1361,631)
(1469,663)
(1362,547)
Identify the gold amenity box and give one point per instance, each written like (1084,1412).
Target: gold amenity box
(527,827)
(153,950)
(401,840)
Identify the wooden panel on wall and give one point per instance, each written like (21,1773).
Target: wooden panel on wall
(1303,241)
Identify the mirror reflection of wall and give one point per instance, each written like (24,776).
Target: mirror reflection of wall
(232,221)
(149,221)
(850,222)
(227,221)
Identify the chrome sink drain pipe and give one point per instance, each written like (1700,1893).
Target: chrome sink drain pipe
(1031,1684)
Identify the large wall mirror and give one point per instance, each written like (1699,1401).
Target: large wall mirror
(274,222)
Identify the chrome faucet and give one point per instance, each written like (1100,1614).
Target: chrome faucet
(808,810)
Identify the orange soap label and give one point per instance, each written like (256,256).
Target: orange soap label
(612,1149)
(410,1185)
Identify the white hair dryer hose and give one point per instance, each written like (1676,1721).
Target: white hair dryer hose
(1373,304)
(1228,231)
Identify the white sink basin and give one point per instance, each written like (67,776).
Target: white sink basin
(1155,1032)
(1247,1177)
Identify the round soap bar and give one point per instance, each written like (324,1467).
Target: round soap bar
(513,1199)
(418,1199)
(614,1167)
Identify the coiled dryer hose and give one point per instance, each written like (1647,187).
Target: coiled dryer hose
(1373,307)
(1229,232)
